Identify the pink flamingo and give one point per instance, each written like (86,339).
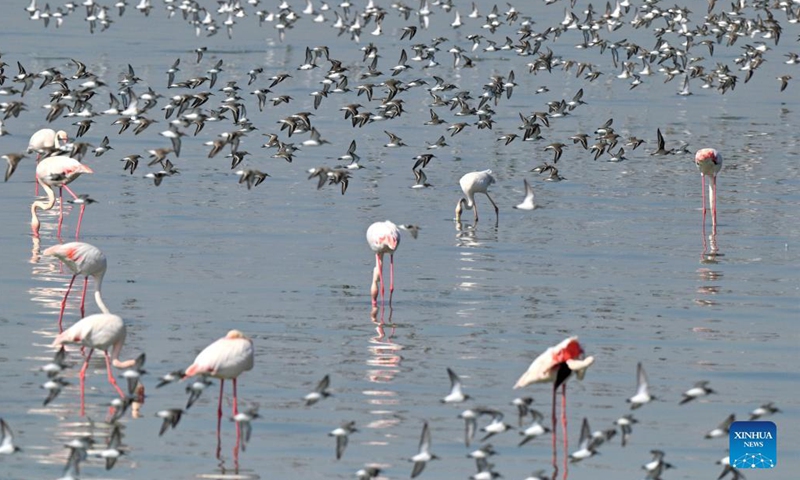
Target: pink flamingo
(226,358)
(709,162)
(555,365)
(44,142)
(472,183)
(57,172)
(102,331)
(383,237)
(83,260)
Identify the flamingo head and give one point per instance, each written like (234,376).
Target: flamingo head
(708,160)
(235,334)
(62,136)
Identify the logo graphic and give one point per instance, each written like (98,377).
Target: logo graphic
(753,445)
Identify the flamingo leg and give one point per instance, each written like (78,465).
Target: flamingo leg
(60,210)
(64,305)
(80,219)
(82,377)
(555,434)
(564,424)
(375,277)
(475,207)
(391,277)
(235,412)
(379,259)
(703,189)
(496,210)
(83,296)
(219,417)
(111,378)
(80,216)
(713,200)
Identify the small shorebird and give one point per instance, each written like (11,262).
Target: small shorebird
(424,456)
(456,394)
(642,394)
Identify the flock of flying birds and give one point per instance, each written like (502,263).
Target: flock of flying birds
(684,45)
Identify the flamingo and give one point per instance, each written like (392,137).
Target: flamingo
(555,365)
(44,142)
(383,237)
(102,331)
(472,183)
(84,260)
(52,172)
(709,162)
(226,358)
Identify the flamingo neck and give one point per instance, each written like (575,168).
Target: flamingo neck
(98,298)
(51,201)
(712,191)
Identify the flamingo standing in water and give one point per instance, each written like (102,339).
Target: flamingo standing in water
(555,365)
(102,331)
(226,358)
(709,162)
(44,142)
(57,172)
(383,237)
(83,260)
(472,183)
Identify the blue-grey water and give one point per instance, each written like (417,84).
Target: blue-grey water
(614,253)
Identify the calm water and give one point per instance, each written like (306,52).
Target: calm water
(614,254)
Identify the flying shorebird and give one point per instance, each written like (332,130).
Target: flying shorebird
(456,394)
(320,392)
(642,395)
(700,389)
(585,447)
(536,429)
(342,435)
(7,446)
(528,201)
(424,456)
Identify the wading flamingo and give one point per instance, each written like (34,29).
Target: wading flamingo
(57,172)
(383,237)
(226,358)
(555,365)
(472,183)
(82,260)
(709,162)
(44,142)
(102,331)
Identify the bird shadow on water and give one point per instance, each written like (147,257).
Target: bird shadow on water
(467,235)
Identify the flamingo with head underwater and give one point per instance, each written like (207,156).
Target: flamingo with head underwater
(57,172)
(472,183)
(102,331)
(383,238)
(85,260)
(709,162)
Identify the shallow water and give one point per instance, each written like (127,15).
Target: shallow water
(614,254)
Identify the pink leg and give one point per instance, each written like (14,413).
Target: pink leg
(380,275)
(714,205)
(80,219)
(64,305)
(703,187)
(111,378)
(555,435)
(219,418)
(391,277)
(83,296)
(60,210)
(235,412)
(82,377)
(564,424)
